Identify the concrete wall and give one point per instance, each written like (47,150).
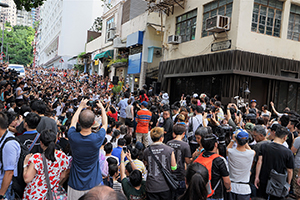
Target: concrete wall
(94,44)
(240,33)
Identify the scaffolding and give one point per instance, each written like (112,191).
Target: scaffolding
(165,6)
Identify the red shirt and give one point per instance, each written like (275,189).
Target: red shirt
(113,115)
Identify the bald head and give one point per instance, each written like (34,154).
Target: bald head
(102,193)
(86,119)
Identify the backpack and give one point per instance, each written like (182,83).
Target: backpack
(207,163)
(18,184)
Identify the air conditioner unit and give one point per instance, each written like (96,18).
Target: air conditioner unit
(110,35)
(112,26)
(174,39)
(218,24)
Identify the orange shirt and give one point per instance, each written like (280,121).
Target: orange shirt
(143,118)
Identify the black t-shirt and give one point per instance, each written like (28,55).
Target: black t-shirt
(275,156)
(290,137)
(168,127)
(155,180)
(219,170)
(27,140)
(182,151)
(7,93)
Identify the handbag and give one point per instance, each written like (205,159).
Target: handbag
(171,179)
(60,193)
(277,185)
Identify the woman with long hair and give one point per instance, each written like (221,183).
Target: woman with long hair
(57,163)
(196,179)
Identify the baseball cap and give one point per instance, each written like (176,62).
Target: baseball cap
(253,100)
(242,134)
(202,96)
(195,95)
(249,126)
(144,103)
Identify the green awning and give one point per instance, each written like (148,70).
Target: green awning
(106,54)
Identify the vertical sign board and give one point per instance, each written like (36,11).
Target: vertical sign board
(134,63)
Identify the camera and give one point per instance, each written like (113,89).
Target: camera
(92,103)
(224,134)
(125,149)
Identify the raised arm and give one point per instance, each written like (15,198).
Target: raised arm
(273,108)
(78,111)
(104,116)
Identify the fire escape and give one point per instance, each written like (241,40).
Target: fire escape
(165,6)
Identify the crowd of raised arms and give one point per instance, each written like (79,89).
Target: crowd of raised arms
(71,135)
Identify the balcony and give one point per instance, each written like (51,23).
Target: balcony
(166,6)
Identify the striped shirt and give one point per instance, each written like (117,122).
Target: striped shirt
(139,165)
(143,118)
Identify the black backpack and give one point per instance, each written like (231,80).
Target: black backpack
(18,184)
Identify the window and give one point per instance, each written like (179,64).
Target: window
(109,25)
(186,26)
(294,23)
(266,18)
(218,7)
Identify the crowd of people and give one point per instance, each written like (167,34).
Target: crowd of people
(66,135)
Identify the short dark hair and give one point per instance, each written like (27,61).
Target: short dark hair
(38,106)
(3,121)
(126,94)
(121,142)
(128,167)
(111,161)
(109,130)
(199,109)
(202,131)
(135,153)
(281,132)
(108,148)
(32,120)
(284,119)
(112,169)
(135,178)
(179,129)
(86,119)
(208,142)
(11,116)
(260,130)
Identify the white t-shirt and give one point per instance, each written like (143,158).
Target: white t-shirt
(21,96)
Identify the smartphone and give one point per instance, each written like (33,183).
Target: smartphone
(208,116)
(125,149)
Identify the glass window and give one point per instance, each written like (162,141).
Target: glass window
(266,17)
(217,7)
(109,25)
(186,26)
(294,23)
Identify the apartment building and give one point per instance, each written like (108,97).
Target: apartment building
(62,30)
(9,13)
(256,47)
(128,32)
(24,18)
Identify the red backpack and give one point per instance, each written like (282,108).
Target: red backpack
(207,162)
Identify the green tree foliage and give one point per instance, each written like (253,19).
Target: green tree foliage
(97,25)
(18,43)
(28,4)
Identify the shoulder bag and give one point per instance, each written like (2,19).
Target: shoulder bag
(277,185)
(60,193)
(171,179)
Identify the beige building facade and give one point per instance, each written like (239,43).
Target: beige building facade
(261,50)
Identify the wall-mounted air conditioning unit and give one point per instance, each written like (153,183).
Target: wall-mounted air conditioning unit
(110,35)
(112,26)
(218,24)
(174,39)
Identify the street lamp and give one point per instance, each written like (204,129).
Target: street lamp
(9,55)
(5,6)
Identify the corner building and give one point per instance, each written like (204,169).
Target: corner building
(260,48)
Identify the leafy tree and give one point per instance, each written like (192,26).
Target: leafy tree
(97,25)
(28,4)
(18,45)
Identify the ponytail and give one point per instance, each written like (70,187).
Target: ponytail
(48,138)
(49,152)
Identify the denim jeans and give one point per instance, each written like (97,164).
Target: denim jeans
(10,195)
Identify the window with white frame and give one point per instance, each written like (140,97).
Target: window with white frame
(186,25)
(218,7)
(294,23)
(109,25)
(266,18)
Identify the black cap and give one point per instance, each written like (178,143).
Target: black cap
(251,116)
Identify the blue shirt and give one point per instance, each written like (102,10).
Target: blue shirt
(85,170)
(10,156)
(117,152)
(122,105)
